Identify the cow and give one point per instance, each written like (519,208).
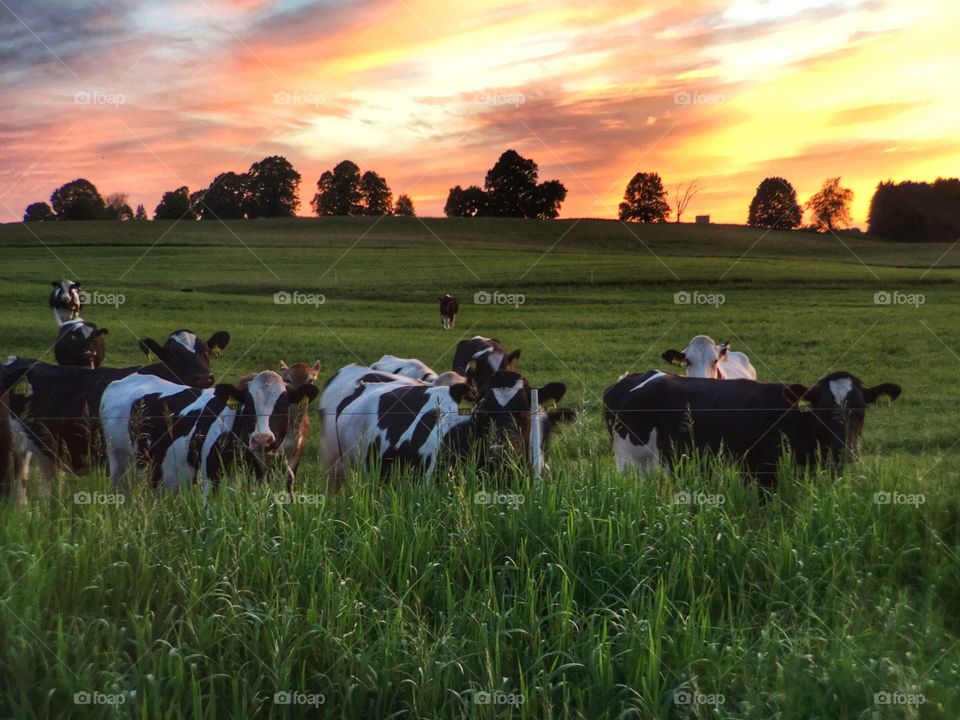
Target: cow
(408,367)
(479,358)
(703,358)
(298,422)
(54,408)
(401,423)
(182,435)
(449,307)
(80,343)
(65,301)
(655,417)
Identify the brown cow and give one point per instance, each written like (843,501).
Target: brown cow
(295,376)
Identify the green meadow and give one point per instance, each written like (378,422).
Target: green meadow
(589,595)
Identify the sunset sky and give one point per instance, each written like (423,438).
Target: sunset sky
(143,97)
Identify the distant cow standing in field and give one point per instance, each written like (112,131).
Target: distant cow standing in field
(65,301)
(449,307)
(703,358)
(296,376)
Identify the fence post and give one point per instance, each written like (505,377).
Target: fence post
(535,431)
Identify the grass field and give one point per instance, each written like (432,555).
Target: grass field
(597,596)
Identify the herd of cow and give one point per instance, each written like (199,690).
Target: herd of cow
(168,420)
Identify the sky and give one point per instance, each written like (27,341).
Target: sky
(143,97)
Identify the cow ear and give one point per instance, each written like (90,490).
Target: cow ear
(101,331)
(724,349)
(882,394)
(551,393)
(461,392)
(511,362)
(562,415)
(306,392)
(151,349)
(674,357)
(56,283)
(228,392)
(317,367)
(218,342)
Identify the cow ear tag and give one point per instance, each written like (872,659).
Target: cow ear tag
(233,403)
(882,401)
(151,357)
(465,407)
(217,351)
(304,401)
(472,367)
(23,388)
(549,404)
(804,405)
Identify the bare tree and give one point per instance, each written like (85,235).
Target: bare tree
(682,199)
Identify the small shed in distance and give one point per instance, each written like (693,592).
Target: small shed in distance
(703,219)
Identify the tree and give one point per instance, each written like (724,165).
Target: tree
(831,206)
(78,200)
(471,202)
(117,207)
(916,211)
(682,200)
(38,212)
(225,199)
(273,188)
(775,205)
(338,191)
(174,205)
(546,201)
(141,213)
(645,200)
(404,207)
(376,196)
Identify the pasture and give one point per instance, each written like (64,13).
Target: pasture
(593,596)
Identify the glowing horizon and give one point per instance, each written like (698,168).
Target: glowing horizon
(429,95)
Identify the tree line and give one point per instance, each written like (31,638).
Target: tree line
(906,211)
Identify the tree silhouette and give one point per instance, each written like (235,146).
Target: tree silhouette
(273,188)
(174,205)
(682,199)
(225,199)
(775,205)
(117,207)
(338,191)
(645,200)
(404,207)
(78,200)
(471,202)
(831,206)
(916,211)
(510,190)
(376,196)
(141,213)
(38,212)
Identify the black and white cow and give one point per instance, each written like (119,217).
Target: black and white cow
(65,301)
(479,358)
(408,367)
(80,343)
(398,422)
(54,408)
(655,417)
(449,307)
(182,435)
(703,358)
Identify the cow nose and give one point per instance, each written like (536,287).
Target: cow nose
(261,441)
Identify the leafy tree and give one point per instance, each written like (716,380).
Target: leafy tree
(377,198)
(339,192)
(225,199)
(916,211)
(404,207)
(141,213)
(775,205)
(471,202)
(78,200)
(831,206)
(546,200)
(645,200)
(38,212)
(174,205)
(273,188)
(117,207)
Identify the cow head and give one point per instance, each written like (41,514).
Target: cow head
(299,373)
(184,357)
(479,358)
(838,402)
(702,357)
(65,300)
(262,403)
(504,415)
(80,343)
